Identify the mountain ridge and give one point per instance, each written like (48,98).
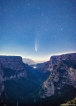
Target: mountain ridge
(21,82)
(28,61)
(63,71)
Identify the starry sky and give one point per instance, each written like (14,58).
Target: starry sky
(37,29)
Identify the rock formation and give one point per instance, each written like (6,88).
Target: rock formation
(11,67)
(63,72)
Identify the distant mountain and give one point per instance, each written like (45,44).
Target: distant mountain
(28,61)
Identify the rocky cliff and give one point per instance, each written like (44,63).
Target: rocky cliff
(54,60)
(11,67)
(43,67)
(18,81)
(12,62)
(63,72)
(1,80)
(21,83)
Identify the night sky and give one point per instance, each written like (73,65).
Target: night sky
(37,29)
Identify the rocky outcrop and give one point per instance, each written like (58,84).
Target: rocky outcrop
(63,72)
(54,60)
(12,62)
(11,67)
(43,67)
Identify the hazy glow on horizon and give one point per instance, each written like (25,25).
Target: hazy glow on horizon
(38,59)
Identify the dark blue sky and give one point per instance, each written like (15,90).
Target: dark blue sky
(37,28)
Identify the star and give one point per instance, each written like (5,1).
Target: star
(42,14)
(28,4)
(38,8)
(45,29)
(61,29)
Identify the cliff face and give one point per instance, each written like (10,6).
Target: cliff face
(17,80)
(63,72)
(11,67)
(43,67)
(15,74)
(1,80)
(12,62)
(54,60)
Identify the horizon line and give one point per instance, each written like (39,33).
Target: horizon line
(38,59)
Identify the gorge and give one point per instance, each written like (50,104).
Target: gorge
(50,83)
